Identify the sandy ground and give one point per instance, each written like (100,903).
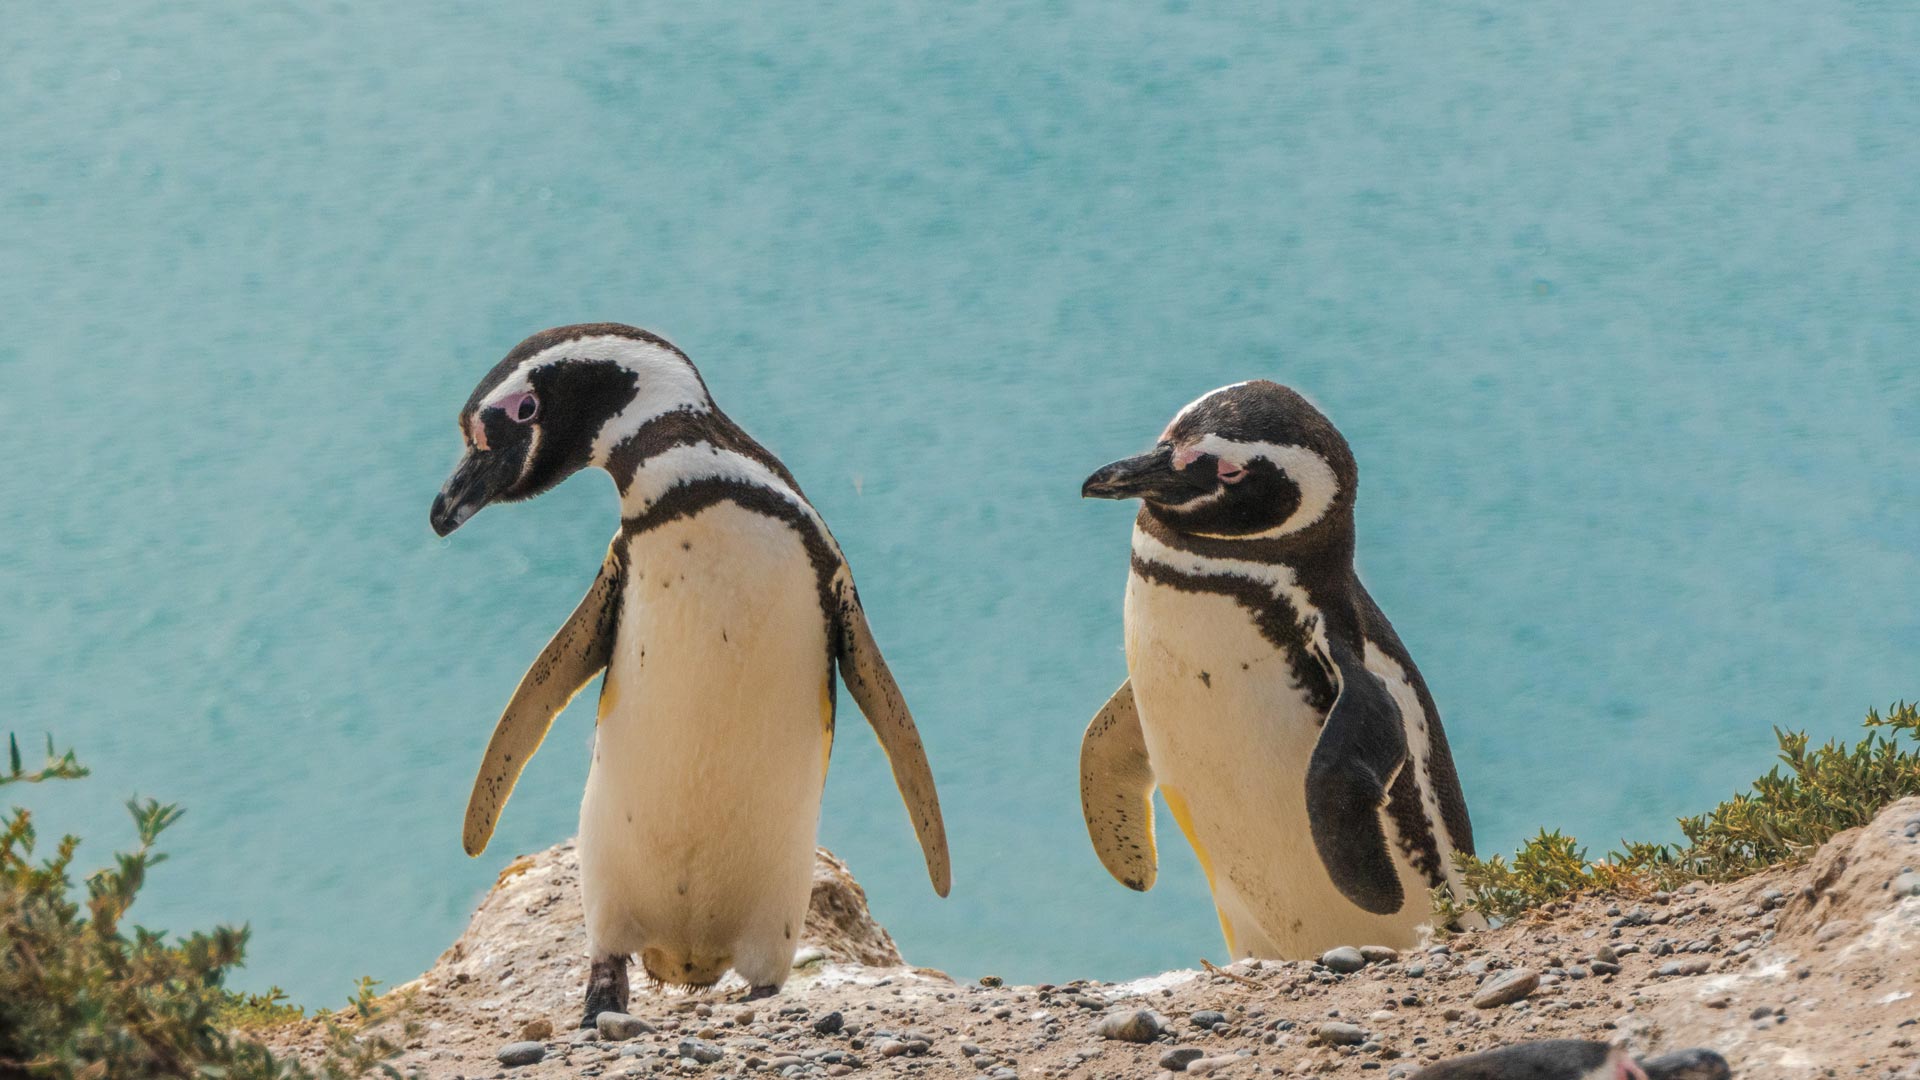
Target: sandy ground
(1809,971)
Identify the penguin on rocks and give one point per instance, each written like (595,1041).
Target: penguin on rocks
(1268,698)
(719,615)
(1576,1059)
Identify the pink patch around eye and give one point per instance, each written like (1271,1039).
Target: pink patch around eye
(1231,473)
(478,430)
(1185,456)
(520,408)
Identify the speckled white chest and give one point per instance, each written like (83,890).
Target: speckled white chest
(697,829)
(1230,736)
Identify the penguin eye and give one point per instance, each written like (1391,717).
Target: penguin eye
(1231,473)
(521,408)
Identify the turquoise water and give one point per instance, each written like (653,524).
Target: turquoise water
(1615,302)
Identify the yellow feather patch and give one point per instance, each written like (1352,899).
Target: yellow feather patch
(1177,805)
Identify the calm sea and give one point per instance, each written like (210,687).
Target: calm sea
(1616,303)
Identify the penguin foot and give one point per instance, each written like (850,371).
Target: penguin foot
(606,988)
(761,993)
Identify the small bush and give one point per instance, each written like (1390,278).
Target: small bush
(1786,816)
(86,995)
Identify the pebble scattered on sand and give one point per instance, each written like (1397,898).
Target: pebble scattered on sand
(1506,988)
(516,1054)
(1346,959)
(1140,1026)
(619,1027)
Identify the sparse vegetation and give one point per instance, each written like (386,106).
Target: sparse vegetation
(1786,816)
(85,994)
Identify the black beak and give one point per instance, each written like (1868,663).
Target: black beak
(480,478)
(1150,476)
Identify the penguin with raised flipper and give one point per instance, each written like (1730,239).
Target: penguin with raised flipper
(1268,698)
(719,615)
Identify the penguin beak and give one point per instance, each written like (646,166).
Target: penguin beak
(1150,476)
(481,477)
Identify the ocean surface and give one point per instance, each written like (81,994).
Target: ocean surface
(1615,302)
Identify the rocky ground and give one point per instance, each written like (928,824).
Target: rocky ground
(1809,971)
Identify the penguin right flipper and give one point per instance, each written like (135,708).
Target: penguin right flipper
(577,653)
(871,683)
(1361,750)
(1116,791)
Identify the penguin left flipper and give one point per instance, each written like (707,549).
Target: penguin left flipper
(870,682)
(1361,749)
(1116,791)
(578,652)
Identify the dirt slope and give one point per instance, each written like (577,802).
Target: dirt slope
(1811,971)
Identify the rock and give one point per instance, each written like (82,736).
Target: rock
(619,1027)
(516,1054)
(1177,1059)
(1688,1065)
(699,1050)
(829,1024)
(1142,1026)
(1506,988)
(1336,1033)
(1907,884)
(1207,1018)
(1605,967)
(1213,1064)
(1379,954)
(1697,965)
(536,1031)
(1345,959)
(889,1048)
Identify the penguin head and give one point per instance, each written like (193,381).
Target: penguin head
(557,403)
(1251,461)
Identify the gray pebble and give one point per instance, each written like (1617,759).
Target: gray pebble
(618,1027)
(699,1050)
(1208,1019)
(516,1054)
(1506,988)
(1177,1059)
(1907,884)
(1335,1033)
(1344,959)
(1688,1065)
(1142,1026)
(829,1024)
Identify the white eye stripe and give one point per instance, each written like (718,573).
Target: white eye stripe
(1318,484)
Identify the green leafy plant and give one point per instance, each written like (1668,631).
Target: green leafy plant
(1784,818)
(85,995)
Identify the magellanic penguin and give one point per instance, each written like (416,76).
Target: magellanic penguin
(1576,1059)
(719,614)
(1267,697)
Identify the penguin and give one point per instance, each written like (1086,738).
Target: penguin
(719,614)
(1268,698)
(1576,1059)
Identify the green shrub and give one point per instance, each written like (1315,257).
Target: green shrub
(1786,816)
(85,994)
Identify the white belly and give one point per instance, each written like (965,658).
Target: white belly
(697,830)
(1230,738)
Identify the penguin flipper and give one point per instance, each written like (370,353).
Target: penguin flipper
(870,682)
(1116,792)
(578,652)
(1361,749)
